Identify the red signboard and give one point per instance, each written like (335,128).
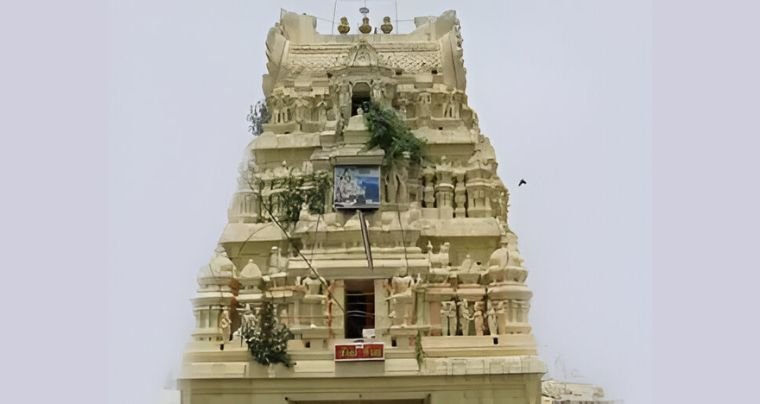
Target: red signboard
(371,351)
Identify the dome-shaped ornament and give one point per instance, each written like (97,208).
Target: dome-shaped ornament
(387,27)
(365,28)
(344,26)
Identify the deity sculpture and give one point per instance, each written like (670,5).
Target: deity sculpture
(400,298)
(492,325)
(248,323)
(225,326)
(465,316)
(321,110)
(497,263)
(448,318)
(501,316)
(451,106)
(424,100)
(314,298)
(301,106)
(391,186)
(478,318)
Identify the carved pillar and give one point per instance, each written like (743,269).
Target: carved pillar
(478,192)
(444,190)
(429,191)
(460,195)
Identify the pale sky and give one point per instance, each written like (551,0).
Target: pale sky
(562,89)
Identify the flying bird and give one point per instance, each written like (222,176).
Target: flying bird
(522,181)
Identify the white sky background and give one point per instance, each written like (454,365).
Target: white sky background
(562,89)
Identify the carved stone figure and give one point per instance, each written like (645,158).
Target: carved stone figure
(448,318)
(225,326)
(424,100)
(400,298)
(314,298)
(492,324)
(478,317)
(321,110)
(501,316)
(249,321)
(465,316)
(302,108)
(391,186)
(451,106)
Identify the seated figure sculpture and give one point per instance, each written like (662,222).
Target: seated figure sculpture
(497,264)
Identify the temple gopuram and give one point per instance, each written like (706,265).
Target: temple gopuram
(399,283)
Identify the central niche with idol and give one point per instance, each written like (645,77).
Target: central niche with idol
(357,187)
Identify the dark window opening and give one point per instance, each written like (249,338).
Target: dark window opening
(360,307)
(360,97)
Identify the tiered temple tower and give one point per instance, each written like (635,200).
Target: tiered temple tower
(445,294)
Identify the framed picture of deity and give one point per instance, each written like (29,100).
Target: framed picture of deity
(356,187)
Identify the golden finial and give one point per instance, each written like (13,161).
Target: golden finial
(365,28)
(344,26)
(387,27)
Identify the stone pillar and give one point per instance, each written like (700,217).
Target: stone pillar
(382,322)
(444,190)
(460,195)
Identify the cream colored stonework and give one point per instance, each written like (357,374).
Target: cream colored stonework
(442,250)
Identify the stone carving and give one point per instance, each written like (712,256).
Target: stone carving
(469,272)
(225,326)
(424,99)
(341,96)
(451,107)
(478,318)
(321,108)
(278,264)
(460,194)
(410,58)
(429,189)
(391,186)
(492,324)
(248,323)
(379,93)
(302,108)
(402,110)
(497,264)
(400,290)
(448,318)
(314,298)
(466,315)
(501,316)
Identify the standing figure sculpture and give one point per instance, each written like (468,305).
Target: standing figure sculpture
(501,316)
(478,318)
(400,298)
(314,299)
(492,325)
(448,318)
(249,321)
(465,316)
(225,326)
